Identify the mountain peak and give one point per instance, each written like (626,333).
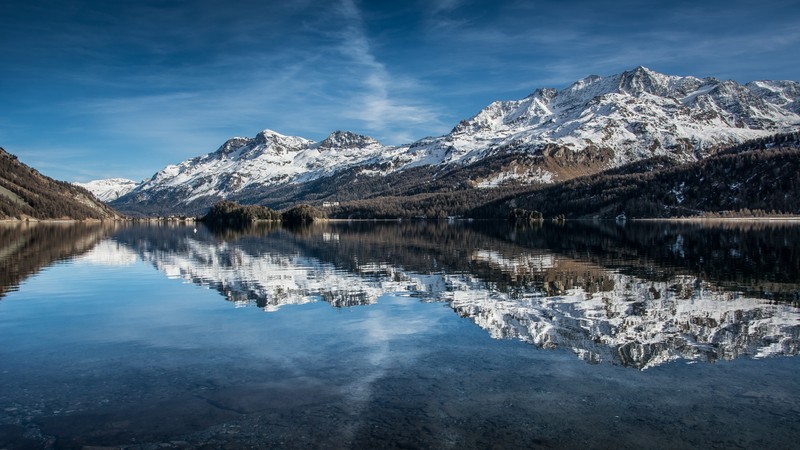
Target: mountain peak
(346,139)
(643,80)
(544,93)
(587,80)
(268,132)
(268,135)
(232,145)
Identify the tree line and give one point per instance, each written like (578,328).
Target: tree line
(230,214)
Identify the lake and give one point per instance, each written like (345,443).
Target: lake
(400,335)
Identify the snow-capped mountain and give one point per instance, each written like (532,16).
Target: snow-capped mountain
(109,189)
(268,159)
(595,124)
(637,114)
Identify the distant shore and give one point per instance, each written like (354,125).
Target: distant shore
(772,219)
(118,219)
(32,220)
(739,219)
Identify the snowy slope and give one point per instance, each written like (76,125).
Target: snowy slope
(783,93)
(268,159)
(616,119)
(109,189)
(638,114)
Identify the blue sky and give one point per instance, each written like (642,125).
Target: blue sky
(97,89)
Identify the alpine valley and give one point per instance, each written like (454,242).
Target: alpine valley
(680,135)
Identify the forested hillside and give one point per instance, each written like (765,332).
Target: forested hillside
(758,177)
(27,194)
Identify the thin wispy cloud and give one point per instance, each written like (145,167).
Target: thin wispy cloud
(183,110)
(383,110)
(440,15)
(183,123)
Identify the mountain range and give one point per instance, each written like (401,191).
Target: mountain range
(551,136)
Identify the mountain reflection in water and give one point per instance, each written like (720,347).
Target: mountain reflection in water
(638,296)
(25,248)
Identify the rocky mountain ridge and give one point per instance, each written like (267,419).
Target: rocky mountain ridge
(597,123)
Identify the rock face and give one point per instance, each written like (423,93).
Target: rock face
(595,124)
(27,194)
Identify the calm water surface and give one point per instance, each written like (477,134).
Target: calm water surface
(407,335)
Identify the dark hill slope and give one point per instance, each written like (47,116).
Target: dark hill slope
(27,194)
(759,175)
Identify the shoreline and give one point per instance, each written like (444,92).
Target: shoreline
(119,219)
(65,221)
(767,219)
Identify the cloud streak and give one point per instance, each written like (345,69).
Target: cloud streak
(377,105)
(177,111)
